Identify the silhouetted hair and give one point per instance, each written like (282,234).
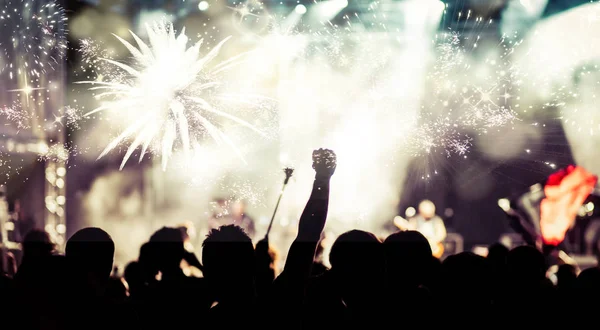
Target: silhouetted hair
(566,276)
(37,243)
(167,235)
(228,251)
(228,233)
(355,247)
(497,255)
(468,277)
(408,257)
(408,244)
(497,251)
(166,247)
(526,262)
(589,280)
(145,253)
(147,262)
(91,249)
(132,273)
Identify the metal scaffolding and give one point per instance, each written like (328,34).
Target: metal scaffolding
(55,199)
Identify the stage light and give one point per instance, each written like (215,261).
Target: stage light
(203,5)
(61,228)
(326,10)
(534,6)
(448,213)
(410,212)
(300,9)
(10,226)
(61,171)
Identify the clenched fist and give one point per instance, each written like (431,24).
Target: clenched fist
(324,163)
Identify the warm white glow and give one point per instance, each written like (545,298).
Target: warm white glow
(300,9)
(504,204)
(533,6)
(203,5)
(165,95)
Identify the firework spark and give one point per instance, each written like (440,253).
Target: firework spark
(469,97)
(172,93)
(72,117)
(14,113)
(33,37)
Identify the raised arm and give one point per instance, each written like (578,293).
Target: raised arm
(288,290)
(312,222)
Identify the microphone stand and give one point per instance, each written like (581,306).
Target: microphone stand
(288,174)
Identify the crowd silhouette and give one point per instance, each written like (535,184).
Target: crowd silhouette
(372,283)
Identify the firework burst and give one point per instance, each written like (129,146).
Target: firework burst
(33,38)
(171,92)
(469,97)
(14,114)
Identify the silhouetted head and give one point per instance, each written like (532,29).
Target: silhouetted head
(468,277)
(357,253)
(408,256)
(37,244)
(526,264)
(188,232)
(133,276)
(407,245)
(357,261)
(497,251)
(148,263)
(228,259)
(566,276)
(588,282)
(167,249)
(91,250)
(497,254)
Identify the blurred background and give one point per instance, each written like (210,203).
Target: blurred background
(360,77)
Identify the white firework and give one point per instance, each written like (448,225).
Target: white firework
(170,89)
(469,96)
(33,37)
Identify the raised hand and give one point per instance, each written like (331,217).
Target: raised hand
(324,163)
